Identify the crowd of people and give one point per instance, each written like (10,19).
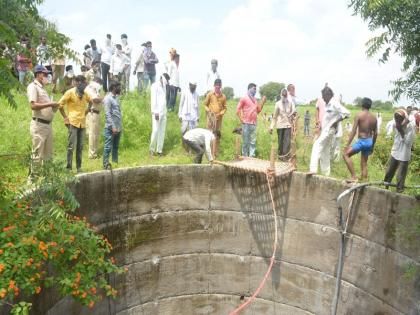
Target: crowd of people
(108,68)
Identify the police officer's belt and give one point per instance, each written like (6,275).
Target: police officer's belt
(43,121)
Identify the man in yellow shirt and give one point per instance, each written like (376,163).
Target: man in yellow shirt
(215,105)
(76,101)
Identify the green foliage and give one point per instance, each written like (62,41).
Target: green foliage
(271,90)
(228,92)
(43,245)
(376,104)
(20,18)
(400,20)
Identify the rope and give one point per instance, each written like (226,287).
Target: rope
(272,259)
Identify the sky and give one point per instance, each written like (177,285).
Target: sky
(304,42)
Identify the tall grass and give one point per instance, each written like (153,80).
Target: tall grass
(134,147)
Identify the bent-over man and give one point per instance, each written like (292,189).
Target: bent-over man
(201,141)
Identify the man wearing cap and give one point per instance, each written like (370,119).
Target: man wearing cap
(126,49)
(215,105)
(212,75)
(42,115)
(76,101)
(150,61)
(401,149)
(189,112)
(158,109)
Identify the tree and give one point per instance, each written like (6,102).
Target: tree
(20,18)
(399,21)
(228,92)
(271,90)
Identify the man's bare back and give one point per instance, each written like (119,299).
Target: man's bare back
(366,124)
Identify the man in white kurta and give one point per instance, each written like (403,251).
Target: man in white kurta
(189,109)
(93,119)
(334,113)
(158,109)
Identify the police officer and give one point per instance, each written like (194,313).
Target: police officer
(43,110)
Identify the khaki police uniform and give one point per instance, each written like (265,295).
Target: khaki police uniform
(41,123)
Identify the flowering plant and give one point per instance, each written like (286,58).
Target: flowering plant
(43,244)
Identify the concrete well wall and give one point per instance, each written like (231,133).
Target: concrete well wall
(197,239)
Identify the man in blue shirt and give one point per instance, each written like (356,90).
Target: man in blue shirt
(113,124)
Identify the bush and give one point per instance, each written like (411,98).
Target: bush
(43,245)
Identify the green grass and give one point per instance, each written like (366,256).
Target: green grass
(134,146)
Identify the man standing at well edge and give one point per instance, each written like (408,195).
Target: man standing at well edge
(42,115)
(76,101)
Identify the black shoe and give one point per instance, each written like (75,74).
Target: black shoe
(108,167)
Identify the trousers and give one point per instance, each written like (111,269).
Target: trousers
(75,140)
(321,152)
(402,167)
(158,134)
(249,139)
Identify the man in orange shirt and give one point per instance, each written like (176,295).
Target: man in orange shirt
(215,105)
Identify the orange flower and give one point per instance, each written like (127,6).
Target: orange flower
(75,292)
(61,202)
(2,293)
(72,238)
(62,250)
(8,228)
(91,304)
(37,290)
(2,267)
(42,246)
(10,244)
(45,254)
(84,295)
(93,290)
(112,260)
(1,251)
(12,284)
(29,262)
(53,244)
(19,205)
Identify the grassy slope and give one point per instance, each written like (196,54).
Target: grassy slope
(137,128)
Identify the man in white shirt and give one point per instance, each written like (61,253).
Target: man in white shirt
(93,116)
(119,62)
(173,87)
(334,113)
(158,109)
(189,112)
(43,54)
(139,68)
(127,49)
(212,75)
(201,141)
(401,149)
(107,52)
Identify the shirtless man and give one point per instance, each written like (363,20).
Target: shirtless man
(366,124)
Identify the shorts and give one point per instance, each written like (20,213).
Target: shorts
(363,145)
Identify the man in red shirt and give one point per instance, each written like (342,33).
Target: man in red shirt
(247,111)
